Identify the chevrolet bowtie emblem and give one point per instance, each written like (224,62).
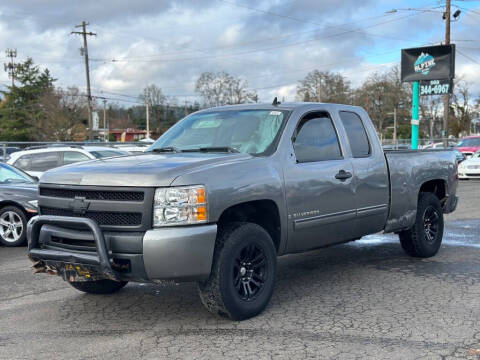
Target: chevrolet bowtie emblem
(79,205)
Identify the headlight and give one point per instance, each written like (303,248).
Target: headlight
(180,206)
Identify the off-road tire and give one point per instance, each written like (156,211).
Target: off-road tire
(415,241)
(221,292)
(19,215)
(99,286)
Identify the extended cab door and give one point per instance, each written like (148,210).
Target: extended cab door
(318,182)
(371,181)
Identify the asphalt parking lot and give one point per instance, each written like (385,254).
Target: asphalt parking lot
(365,299)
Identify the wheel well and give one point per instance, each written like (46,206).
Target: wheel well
(261,212)
(12,203)
(437,187)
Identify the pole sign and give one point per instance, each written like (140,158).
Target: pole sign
(436,87)
(428,63)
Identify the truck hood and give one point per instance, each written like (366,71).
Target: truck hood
(149,170)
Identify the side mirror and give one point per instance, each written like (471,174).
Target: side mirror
(35,178)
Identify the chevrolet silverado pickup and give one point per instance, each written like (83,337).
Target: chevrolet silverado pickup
(225,191)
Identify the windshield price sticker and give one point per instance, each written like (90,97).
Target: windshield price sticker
(435,87)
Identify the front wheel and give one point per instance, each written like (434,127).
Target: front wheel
(98,286)
(424,238)
(13,224)
(243,272)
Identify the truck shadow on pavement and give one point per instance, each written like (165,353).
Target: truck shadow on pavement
(321,283)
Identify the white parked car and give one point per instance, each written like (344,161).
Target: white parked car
(470,168)
(38,160)
(132,148)
(439,145)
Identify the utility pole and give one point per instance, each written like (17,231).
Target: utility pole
(147,110)
(11,67)
(319,90)
(84,52)
(395,125)
(446,97)
(105,133)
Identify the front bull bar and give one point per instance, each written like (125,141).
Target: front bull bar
(100,260)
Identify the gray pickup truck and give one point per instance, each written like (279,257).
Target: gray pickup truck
(226,190)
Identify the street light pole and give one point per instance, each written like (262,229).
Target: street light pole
(105,134)
(446,97)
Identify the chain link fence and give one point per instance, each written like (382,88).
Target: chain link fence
(8,147)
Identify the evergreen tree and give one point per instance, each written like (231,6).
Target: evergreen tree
(21,109)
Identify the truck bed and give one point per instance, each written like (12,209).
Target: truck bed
(408,170)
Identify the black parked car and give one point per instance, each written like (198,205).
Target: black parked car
(18,203)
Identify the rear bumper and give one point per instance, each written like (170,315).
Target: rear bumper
(179,253)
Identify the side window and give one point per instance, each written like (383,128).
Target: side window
(70,157)
(357,136)
(316,139)
(23,162)
(44,161)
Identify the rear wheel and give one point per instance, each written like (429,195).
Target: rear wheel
(243,272)
(99,286)
(424,238)
(12,226)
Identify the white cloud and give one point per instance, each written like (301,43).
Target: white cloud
(170,43)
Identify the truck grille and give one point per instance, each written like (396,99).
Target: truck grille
(112,208)
(92,194)
(101,217)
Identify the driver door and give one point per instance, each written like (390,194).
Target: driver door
(318,181)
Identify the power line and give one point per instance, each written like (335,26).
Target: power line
(263,49)
(468,57)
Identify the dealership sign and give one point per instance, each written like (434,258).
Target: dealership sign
(436,87)
(428,63)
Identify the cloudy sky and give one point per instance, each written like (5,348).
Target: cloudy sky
(270,43)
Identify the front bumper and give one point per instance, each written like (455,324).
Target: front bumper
(176,253)
(468,173)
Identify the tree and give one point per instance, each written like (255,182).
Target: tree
(22,109)
(463,110)
(156,100)
(220,88)
(325,86)
(380,94)
(62,112)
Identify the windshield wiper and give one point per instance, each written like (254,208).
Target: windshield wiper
(167,149)
(227,149)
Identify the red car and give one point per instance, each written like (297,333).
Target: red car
(469,145)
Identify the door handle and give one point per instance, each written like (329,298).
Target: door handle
(343,175)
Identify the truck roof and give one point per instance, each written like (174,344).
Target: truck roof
(284,106)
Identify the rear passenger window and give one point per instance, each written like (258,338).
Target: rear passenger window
(44,161)
(316,139)
(357,136)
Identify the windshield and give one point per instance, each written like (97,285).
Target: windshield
(246,131)
(99,154)
(469,142)
(10,175)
